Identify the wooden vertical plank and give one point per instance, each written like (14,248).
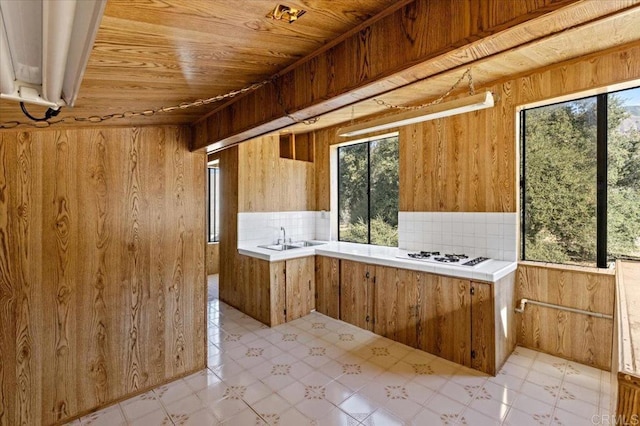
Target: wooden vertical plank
(353,293)
(445,318)
(95,181)
(60,227)
(328,286)
(116,160)
(483,328)
(278,293)
(504,318)
(229,225)
(84,297)
(30,318)
(179,286)
(300,287)
(9,406)
(159,159)
(408,312)
(385,304)
(133,259)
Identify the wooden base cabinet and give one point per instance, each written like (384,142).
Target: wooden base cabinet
(467,322)
(397,313)
(356,293)
(444,324)
(300,287)
(276,292)
(328,286)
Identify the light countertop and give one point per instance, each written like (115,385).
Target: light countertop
(491,270)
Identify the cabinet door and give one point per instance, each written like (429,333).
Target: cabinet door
(407,312)
(328,286)
(300,287)
(445,317)
(385,285)
(355,295)
(482,328)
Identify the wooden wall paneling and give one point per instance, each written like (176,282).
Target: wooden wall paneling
(160,190)
(229,163)
(328,286)
(60,214)
(258,175)
(323,140)
(86,291)
(577,337)
(213,258)
(23,168)
(486,163)
(268,183)
(457,164)
(104,180)
(135,261)
(9,292)
(194,210)
(445,318)
(483,328)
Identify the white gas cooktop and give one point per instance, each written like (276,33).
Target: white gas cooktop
(452,259)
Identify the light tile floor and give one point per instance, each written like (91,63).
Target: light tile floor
(318,370)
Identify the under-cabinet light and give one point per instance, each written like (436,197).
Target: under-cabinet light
(446,109)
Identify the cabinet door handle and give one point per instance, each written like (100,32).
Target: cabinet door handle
(366,275)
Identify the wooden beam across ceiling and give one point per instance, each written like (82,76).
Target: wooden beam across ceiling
(376,59)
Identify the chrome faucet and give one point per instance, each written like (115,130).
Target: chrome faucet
(284,235)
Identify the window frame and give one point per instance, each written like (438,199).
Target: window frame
(366,141)
(213,173)
(602,156)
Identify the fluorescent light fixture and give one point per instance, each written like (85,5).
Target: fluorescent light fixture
(44,48)
(446,109)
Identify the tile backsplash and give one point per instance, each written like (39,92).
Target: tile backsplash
(475,234)
(264,227)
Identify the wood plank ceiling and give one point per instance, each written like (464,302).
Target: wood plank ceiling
(153,53)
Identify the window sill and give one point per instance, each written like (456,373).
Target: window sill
(589,269)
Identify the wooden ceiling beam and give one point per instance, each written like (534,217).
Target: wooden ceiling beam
(376,59)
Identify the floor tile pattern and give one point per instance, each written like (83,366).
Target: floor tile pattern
(321,371)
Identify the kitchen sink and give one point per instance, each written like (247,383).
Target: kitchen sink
(305,244)
(291,246)
(280,247)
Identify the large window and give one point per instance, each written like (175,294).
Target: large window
(368,192)
(580,177)
(214,202)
